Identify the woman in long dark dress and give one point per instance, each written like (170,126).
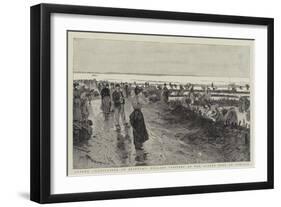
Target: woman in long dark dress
(137,120)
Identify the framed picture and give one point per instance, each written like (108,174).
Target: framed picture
(133,103)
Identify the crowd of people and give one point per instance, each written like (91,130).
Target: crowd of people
(113,99)
(230,112)
(82,125)
(114,96)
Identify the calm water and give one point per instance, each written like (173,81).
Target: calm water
(162,78)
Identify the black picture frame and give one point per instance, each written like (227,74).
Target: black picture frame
(41,98)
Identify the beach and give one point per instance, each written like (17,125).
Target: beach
(175,138)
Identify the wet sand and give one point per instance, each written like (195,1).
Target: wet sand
(173,139)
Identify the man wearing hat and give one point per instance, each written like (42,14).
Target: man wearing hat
(118,103)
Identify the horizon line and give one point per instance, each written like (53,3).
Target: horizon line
(154,74)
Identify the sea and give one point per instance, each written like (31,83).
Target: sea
(160,79)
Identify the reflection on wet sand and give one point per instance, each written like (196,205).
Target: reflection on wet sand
(125,150)
(123,147)
(107,124)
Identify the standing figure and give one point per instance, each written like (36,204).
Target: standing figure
(191,95)
(137,120)
(165,93)
(126,89)
(118,103)
(99,86)
(77,116)
(181,91)
(84,108)
(105,100)
(91,95)
(111,89)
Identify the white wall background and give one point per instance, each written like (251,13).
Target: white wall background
(14,104)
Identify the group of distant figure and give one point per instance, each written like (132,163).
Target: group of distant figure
(229,112)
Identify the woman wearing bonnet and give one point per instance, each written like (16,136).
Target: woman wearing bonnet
(137,120)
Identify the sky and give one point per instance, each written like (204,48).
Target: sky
(142,57)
